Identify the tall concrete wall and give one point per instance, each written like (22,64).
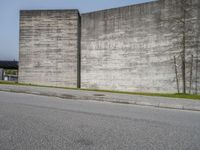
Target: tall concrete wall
(132,48)
(128,49)
(49,47)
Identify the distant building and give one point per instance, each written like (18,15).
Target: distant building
(1,74)
(9,70)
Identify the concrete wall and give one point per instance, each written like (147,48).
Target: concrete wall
(132,48)
(128,49)
(49,47)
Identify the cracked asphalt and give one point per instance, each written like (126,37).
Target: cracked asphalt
(30,122)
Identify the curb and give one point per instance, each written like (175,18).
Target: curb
(111,100)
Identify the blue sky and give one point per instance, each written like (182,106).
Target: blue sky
(9,17)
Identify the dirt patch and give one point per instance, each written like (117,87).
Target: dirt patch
(67,96)
(99,95)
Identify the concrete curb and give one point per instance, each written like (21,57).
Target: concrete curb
(150,103)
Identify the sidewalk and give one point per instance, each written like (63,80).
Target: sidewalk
(162,102)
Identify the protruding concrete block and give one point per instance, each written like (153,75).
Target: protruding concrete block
(49,47)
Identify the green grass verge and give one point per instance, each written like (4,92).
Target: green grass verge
(26,84)
(176,95)
(186,96)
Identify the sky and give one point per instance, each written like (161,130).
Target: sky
(9,17)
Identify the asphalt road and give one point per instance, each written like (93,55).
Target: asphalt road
(30,122)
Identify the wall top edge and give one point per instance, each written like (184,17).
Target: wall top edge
(133,5)
(77,10)
(43,10)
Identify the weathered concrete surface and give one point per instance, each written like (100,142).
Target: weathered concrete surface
(128,49)
(132,48)
(49,47)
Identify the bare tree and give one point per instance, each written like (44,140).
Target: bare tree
(180,23)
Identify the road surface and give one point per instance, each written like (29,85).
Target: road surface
(30,122)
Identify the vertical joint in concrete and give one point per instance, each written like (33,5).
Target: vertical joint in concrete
(79,53)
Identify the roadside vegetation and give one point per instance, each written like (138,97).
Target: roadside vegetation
(185,96)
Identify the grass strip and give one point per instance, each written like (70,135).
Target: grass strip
(185,96)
